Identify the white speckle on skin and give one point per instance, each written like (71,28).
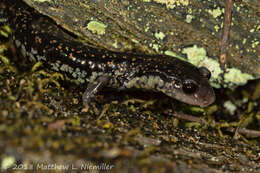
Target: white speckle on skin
(66,68)
(145,82)
(55,66)
(94,76)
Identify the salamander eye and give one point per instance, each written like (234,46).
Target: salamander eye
(205,72)
(189,86)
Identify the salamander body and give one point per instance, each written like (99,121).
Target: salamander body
(41,39)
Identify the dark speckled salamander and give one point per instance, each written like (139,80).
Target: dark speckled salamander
(40,39)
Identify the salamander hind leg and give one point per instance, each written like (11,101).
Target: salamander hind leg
(92,89)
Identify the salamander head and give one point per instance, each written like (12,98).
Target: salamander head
(189,85)
(175,78)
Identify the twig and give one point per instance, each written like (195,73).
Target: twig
(253,133)
(188,117)
(225,33)
(244,131)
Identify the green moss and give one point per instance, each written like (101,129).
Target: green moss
(5,30)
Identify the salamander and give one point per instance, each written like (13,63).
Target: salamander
(39,38)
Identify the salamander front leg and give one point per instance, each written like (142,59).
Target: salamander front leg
(92,89)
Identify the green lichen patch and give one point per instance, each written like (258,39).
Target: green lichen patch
(172,3)
(171,53)
(155,46)
(216,12)
(159,35)
(7,162)
(198,57)
(195,54)
(189,18)
(237,76)
(97,27)
(214,68)
(232,76)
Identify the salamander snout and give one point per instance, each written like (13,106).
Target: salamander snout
(206,93)
(198,93)
(191,87)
